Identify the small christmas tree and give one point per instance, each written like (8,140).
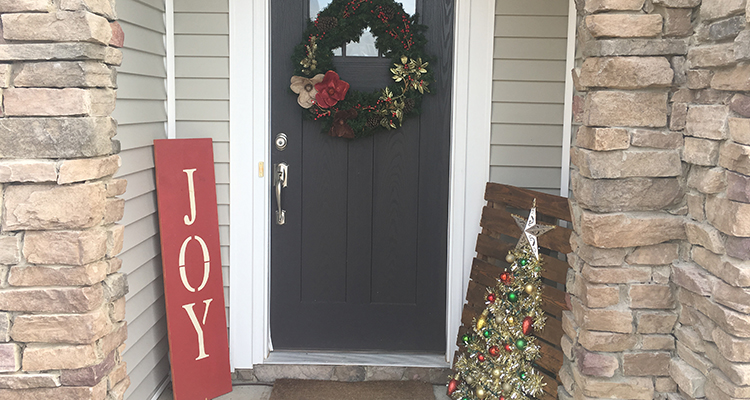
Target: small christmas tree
(499,348)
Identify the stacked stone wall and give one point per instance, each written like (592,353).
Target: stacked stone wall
(660,279)
(62,304)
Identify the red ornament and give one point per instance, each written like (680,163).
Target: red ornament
(502,398)
(331,90)
(480,356)
(494,351)
(527,325)
(506,277)
(452,385)
(491,297)
(508,348)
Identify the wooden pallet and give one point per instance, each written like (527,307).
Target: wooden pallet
(500,234)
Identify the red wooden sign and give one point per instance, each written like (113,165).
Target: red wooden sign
(193,287)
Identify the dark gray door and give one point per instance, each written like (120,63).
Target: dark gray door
(360,263)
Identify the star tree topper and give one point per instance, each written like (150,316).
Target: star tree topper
(530,230)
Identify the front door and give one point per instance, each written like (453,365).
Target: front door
(360,262)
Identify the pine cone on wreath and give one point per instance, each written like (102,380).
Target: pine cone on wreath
(325,24)
(387,11)
(409,105)
(373,121)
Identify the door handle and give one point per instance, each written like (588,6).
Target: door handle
(280,173)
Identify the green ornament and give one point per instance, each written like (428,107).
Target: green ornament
(522,375)
(520,343)
(466,338)
(513,297)
(486,333)
(537,269)
(523,262)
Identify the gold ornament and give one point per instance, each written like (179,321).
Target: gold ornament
(481,393)
(529,288)
(496,372)
(511,320)
(499,319)
(510,258)
(481,323)
(469,380)
(507,387)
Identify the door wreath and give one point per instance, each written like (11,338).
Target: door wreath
(325,97)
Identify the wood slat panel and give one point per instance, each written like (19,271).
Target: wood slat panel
(552,268)
(552,332)
(551,359)
(547,204)
(550,388)
(501,221)
(485,273)
(491,251)
(553,300)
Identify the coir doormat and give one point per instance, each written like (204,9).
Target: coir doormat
(297,389)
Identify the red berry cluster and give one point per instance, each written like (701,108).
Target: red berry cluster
(321,113)
(352,7)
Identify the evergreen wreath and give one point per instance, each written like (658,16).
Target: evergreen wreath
(349,113)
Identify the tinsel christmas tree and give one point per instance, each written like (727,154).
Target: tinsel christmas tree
(496,363)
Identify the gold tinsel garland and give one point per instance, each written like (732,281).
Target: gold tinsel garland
(497,360)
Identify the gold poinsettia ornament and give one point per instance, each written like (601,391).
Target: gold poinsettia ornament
(410,72)
(305,88)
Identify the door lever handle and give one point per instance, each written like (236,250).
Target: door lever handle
(280,173)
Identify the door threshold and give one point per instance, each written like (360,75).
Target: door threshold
(355,358)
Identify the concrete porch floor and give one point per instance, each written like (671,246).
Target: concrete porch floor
(263,392)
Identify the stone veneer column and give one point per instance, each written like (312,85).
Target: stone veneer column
(659,286)
(713,278)
(627,205)
(62,305)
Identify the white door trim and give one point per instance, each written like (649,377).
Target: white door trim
(570,59)
(250,193)
(249,151)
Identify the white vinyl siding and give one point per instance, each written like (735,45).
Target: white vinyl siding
(528,84)
(141,115)
(202,94)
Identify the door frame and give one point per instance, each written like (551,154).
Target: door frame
(250,185)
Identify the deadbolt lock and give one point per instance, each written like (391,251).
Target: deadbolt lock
(280,141)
